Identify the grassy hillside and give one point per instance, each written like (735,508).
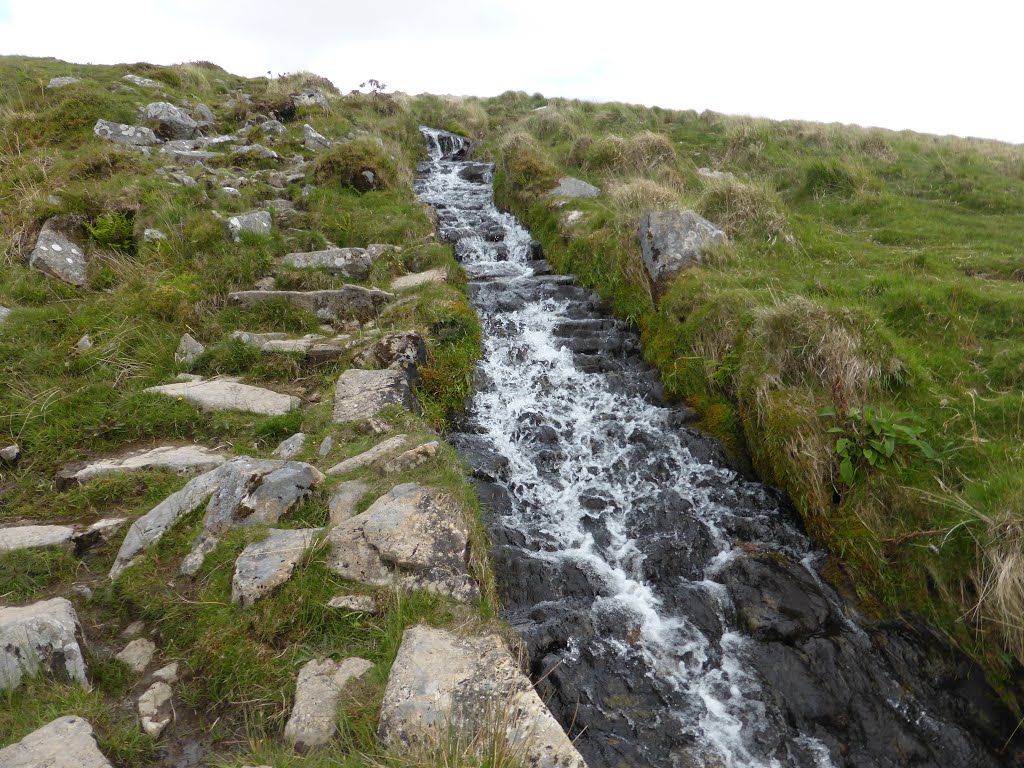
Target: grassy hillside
(871,274)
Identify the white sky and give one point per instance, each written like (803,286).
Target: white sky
(937,67)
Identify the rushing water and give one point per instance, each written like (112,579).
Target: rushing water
(673,611)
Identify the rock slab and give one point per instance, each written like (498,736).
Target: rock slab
(34,536)
(367,458)
(415,280)
(360,394)
(137,654)
(42,638)
(57,254)
(403,349)
(314,718)
(172,122)
(257,222)
(180,459)
(155,712)
(132,135)
(66,742)
(673,240)
(265,565)
(575,188)
(346,262)
(223,395)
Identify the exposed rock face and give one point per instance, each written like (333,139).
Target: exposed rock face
(440,680)
(348,301)
(314,718)
(310,97)
(347,262)
(142,82)
(345,500)
(266,565)
(673,240)
(34,536)
(379,452)
(403,350)
(57,254)
(134,135)
(411,459)
(155,712)
(360,394)
(222,395)
(413,536)
(257,222)
(42,638)
(137,654)
(202,113)
(313,140)
(570,187)
(289,448)
(66,742)
(173,123)
(189,350)
(180,459)
(408,282)
(313,346)
(61,82)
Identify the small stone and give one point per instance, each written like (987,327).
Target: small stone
(155,712)
(153,235)
(258,151)
(257,222)
(408,282)
(55,200)
(168,674)
(326,446)
(273,128)
(82,590)
(180,459)
(189,350)
(230,191)
(99,532)
(313,140)
(4,314)
(404,350)
(202,113)
(133,629)
(707,173)
(142,82)
(354,603)
(10,455)
(137,655)
(313,721)
(62,82)
(307,190)
(133,135)
(372,456)
(58,253)
(289,448)
(345,500)
(84,343)
(411,458)
(66,742)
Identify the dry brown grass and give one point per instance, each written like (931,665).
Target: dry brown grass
(631,198)
(748,209)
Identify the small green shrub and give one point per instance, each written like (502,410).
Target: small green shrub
(112,230)
(873,436)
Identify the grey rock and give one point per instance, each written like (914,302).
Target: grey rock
(66,742)
(62,82)
(42,638)
(133,135)
(313,346)
(360,395)
(289,448)
(367,458)
(265,565)
(84,344)
(230,191)
(57,253)
(35,537)
(258,151)
(345,500)
(310,97)
(137,654)
(189,156)
(673,240)
(172,122)
(10,454)
(570,187)
(413,537)
(326,446)
(403,350)
(180,459)
(202,113)
(222,395)
(273,127)
(168,674)
(307,190)
(354,603)
(347,262)
(347,301)
(133,629)
(282,206)
(707,173)
(442,681)
(257,222)
(313,140)
(188,350)
(82,590)
(412,458)
(155,711)
(55,200)
(4,314)
(142,82)
(376,250)
(99,532)
(153,235)
(408,282)
(313,721)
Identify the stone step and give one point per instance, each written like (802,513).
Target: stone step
(223,395)
(360,395)
(180,459)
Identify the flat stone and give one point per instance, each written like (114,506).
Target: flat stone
(273,127)
(367,458)
(180,459)
(230,191)
(34,537)
(673,240)
(221,395)
(133,135)
(360,394)
(347,301)
(413,537)
(354,603)
(313,140)
(707,173)
(66,742)
(408,282)
(411,459)
(202,113)
(403,350)
(345,500)
(315,347)
(155,711)
(137,655)
(168,674)
(189,350)
(142,82)
(172,122)
(442,681)
(189,156)
(57,253)
(265,565)
(346,262)
(289,448)
(61,82)
(133,629)
(10,454)
(257,222)
(314,718)
(42,638)
(575,188)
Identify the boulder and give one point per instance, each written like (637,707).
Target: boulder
(289,448)
(404,350)
(188,350)
(137,654)
(442,681)
(142,82)
(414,537)
(57,253)
(360,394)
(313,346)
(35,537)
(172,122)
(265,565)
(155,710)
(61,82)
(367,458)
(570,187)
(223,395)
(257,222)
(346,262)
(313,140)
(345,500)
(202,113)
(347,301)
(310,97)
(42,638)
(408,282)
(66,742)
(314,718)
(673,240)
(412,458)
(133,135)
(180,459)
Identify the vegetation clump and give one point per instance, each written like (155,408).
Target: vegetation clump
(361,164)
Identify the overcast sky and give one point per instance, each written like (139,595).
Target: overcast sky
(938,67)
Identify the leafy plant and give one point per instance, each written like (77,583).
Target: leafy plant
(872,436)
(113,230)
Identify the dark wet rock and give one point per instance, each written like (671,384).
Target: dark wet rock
(480,173)
(477,452)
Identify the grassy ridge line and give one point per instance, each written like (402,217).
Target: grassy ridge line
(866,267)
(239,666)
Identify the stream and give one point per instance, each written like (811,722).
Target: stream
(674,612)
